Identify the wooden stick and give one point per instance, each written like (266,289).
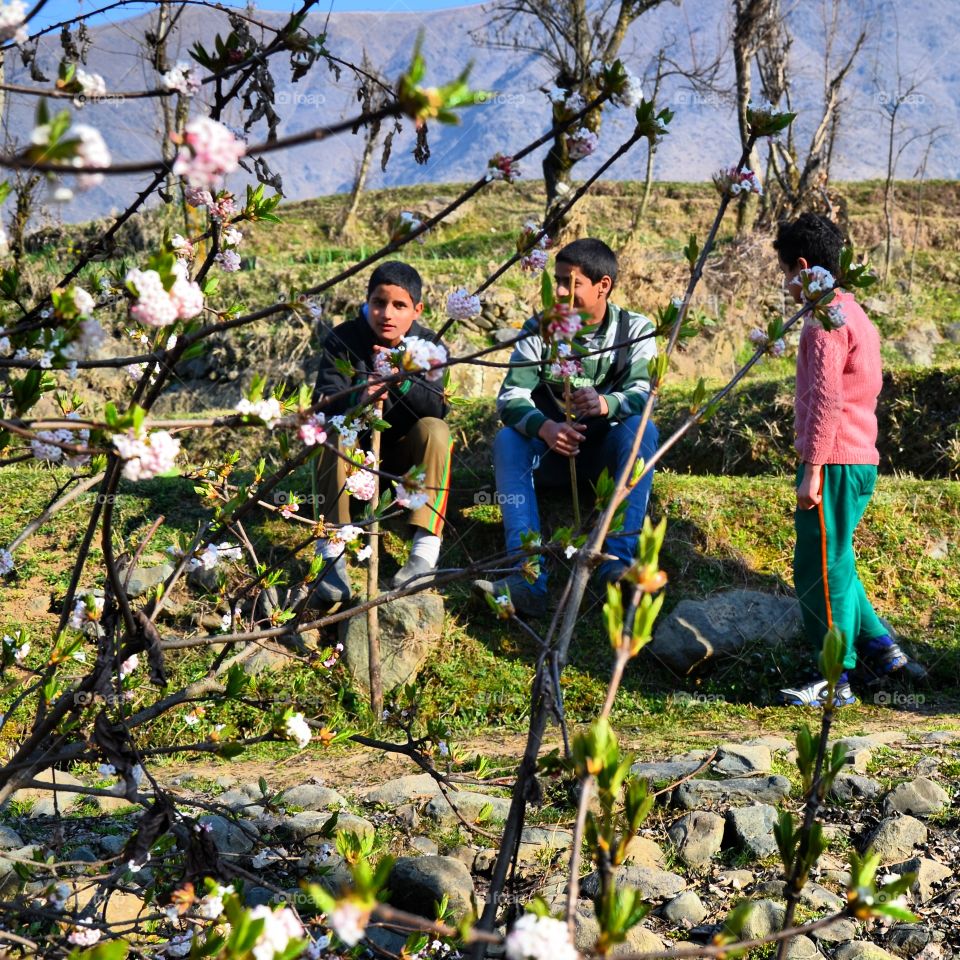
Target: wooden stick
(573,462)
(373,571)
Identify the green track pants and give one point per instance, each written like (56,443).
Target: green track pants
(824,563)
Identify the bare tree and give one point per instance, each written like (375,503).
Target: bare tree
(572,36)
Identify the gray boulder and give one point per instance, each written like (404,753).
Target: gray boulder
(664,772)
(851,787)
(840,931)
(752,829)
(410,630)
(310,796)
(417,884)
(413,788)
(861,950)
(687,909)
(698,837)
(921,797)
(652,883)
(802,948)
(740,760)
(697,793)
(229,837)
(930,874)
(696,631)
(765,918)
(473,807)
(896,837)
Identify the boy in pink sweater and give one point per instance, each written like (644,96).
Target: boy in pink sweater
(838,381)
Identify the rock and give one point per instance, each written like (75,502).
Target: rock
(85,853)
(112,845)
(820,898)
(9,838)
(722,625)
(652,883)
(861,950)
(229,837)
(42,798)
(237,800)
(739,760)
(952,332)
(930,874)
(687,909)
(802,948)
(310,825)
(639,939)
(736,879)
(895,838)
(409,815)
(542,842)
(425,846)
(663,773)
(310,796)
(464,854)
(840,931)
(410,630)
(908,939)
(414,788)
(773,743)
(697,793)
(226,781)
(643,852)
(877,307)
(417,884)
(752,829)
(257,896)
(698,837)
(850,787)
(921,796)
(919,346)
(143,579)
(470,806)
(765,918)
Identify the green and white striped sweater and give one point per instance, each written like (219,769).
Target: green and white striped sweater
(625,395)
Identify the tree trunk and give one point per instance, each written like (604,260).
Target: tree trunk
(888,198)
(359,183)
(556,172)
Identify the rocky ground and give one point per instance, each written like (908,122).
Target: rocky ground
(708,843)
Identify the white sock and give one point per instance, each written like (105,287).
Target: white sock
(426,546)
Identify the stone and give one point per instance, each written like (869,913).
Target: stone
(464,854)
(255,896)
(229,837)
(417,884)
(930,874)
(310,796)
(861,950)
(413,788)
(639,939)
(840,931)
(644,852)
(9,838)
(112,845)
(773,743)
(687,908)
(411,628)
(237,800)
(895,838)
(310,826)
(736,879)
(143,579)
(765,918)
(739,760)
(85,853)
(698,837)
(425,846)
(470,806)
(802,948)
(42,798)
(820,898)
(752,829)
(543,842)
(408,815)
(851,787)
(696,631)
(921,797)
(697,793)
(877,307)
(664,772)
(908,939)
(652,883)
(226,781)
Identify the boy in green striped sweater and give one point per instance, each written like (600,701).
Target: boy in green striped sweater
(534,446)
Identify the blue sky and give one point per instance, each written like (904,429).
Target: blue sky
(57,10)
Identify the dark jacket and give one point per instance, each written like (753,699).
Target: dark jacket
(405,402)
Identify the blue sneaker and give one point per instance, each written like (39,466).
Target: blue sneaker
(814,694)
(883,655)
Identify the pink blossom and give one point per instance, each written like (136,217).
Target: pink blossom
(146,457)
(289,509)
(362,484)
(563,369)
(197,197)
(154,306)
(312,431)
(535,260)
(222,206)
(229,260)
(182,78)
(562,321)
(208,151)
(500,167)
(462,305)
(581,143)
(185,294)
(183,246)
(733,182)
(91,151)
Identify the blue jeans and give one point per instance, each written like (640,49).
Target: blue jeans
(517,457)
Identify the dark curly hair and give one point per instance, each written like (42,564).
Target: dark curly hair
(813,237)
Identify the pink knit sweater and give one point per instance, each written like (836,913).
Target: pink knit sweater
(838,380)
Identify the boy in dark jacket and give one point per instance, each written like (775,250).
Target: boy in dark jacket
(414,408)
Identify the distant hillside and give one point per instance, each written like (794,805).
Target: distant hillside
(703,134)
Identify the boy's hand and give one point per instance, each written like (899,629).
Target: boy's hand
(808,493)
(563,438)
(588,403)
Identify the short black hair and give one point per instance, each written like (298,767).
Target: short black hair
(812,236)
(396,273)
(592,257)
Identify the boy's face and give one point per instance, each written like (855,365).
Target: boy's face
(391,313)
(791,277)
(588,296)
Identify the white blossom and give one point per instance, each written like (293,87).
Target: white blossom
(182,78)
(180,944)
(462,305)
(268,409)
(13,15)
(539,938)
(298,728)
(84,935)
(279,929)
(349,921)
